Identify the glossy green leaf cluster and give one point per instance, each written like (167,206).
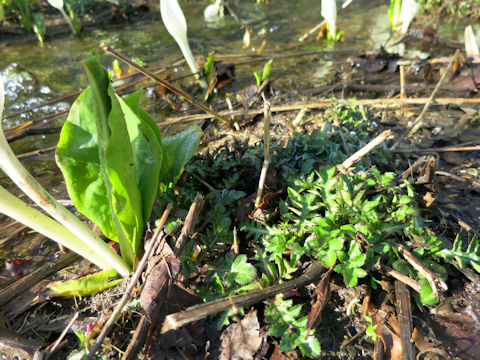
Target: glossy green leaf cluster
(113,159)
(343,221)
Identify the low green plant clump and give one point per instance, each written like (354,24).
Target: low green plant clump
(352,223)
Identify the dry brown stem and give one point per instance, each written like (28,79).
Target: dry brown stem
(197,312)
(163,82)
(326,104)
(419,120)
(364,151)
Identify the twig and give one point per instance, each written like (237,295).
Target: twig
(311,31)
(434,280)
(349,340)
(432,61)
(402,81)
(156,239)
(16,128)
(404,316)
(197,312)
(36,152)
(322,105)
(415,285)
(203,182)
(163,82)
(33,131)
(364,150)
(419,120)
(49,102)
(266,149)
(447,174)
(443,149)
(52,350)
(233,14)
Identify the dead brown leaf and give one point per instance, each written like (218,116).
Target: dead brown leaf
(241,340)
(323,292)
(247,37)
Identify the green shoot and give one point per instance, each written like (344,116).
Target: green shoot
(260,77)
(176,25)
(329,13)
(39,27)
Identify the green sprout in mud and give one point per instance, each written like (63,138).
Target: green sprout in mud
(260,77)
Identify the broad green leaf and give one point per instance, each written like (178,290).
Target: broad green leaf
(289,342)
(178,150)
(295,197)
(110,152)
(117,161)
(427,296)
(147,149)
(87,285)
(310,346)
(329,258)
(278,329)
(78,158)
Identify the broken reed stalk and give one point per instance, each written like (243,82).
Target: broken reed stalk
(442,149)
(190,220)
(157,238)
(163,82)
(311,31)
(404,316)
(235,303)
(322,105)
(364,151)
(402,81)
(417,124)
(415,285)
(266,150)
(434,280)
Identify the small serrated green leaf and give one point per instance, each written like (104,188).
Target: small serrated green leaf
(244,272)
